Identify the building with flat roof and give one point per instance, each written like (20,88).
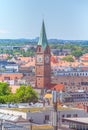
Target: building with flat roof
(77,123)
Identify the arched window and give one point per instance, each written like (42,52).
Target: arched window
(39,49)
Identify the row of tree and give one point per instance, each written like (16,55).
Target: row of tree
(68,58)
(76,50)
(24,94)
(29,52)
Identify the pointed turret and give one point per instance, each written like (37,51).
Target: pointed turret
(43,39)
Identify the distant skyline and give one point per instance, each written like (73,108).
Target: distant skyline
(64,19)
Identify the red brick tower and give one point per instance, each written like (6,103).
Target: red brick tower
(42,64)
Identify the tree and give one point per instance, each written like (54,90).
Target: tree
(77,53)
(26,94)
(30,94)
(4,89)
(68,58)
(2,99)
(23,94)
(11,98)
(20,93)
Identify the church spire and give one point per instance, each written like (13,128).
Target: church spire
(43,39)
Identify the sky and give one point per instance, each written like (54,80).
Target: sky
(64,19)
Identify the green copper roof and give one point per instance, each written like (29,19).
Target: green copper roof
(43,39)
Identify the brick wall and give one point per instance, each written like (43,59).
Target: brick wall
(72,83)
(10,76)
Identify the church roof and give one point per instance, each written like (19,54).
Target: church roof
(43,39)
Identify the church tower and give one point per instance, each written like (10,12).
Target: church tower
(42,62)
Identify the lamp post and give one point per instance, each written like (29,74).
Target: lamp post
(30,120)
(2,125)
(55,117)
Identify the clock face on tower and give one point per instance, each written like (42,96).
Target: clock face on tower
(39,58)
(46,59)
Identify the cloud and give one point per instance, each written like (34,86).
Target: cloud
(3,31)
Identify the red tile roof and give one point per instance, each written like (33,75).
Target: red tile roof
(58,87)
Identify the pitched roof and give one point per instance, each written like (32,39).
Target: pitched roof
(43,39)
(58,87)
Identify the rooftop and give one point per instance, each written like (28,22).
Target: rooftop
(80,120)
(38,109)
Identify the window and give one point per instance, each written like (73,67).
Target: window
(46,117)
(65,83)
(6,78)
(39,49)
(68,115)
(63,116)
(16,78)
(75,115)
(84,83)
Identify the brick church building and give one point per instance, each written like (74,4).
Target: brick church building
(43,62)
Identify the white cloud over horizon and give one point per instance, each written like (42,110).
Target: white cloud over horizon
(4,31)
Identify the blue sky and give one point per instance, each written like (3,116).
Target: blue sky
(64,19)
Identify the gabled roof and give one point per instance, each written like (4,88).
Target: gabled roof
(43,39)
(57,87)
